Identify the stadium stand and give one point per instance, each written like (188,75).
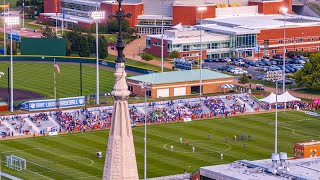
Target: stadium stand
(157,113)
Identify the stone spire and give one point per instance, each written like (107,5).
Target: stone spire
(120,162)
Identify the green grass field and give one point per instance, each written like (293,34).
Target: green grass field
(38,78)
(72,156)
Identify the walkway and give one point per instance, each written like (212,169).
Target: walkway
(134,48)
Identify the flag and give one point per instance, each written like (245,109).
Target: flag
(56,66)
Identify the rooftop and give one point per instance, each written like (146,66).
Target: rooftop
(179,76)
(307,168)
(258,22)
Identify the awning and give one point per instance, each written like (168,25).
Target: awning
(226,86)
(283,98)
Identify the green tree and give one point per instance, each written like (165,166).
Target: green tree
(36,5)
(309,75)
(92,43)
(47,32)
(244,79)
(174,54)
(14,48)
(84,50)
(74,38)
(103,47)
(113,26)
(69,51)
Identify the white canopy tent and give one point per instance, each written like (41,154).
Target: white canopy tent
(283,98)
(270,99)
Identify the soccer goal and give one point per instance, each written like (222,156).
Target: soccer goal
(16,163)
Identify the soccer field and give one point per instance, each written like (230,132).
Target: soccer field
(38,78)
(73,156)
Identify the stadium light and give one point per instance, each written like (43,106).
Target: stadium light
(284,11)
(201,10)
(145,86)
(97,16)
(11,21)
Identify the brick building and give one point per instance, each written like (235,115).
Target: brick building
(239,37)
(306,150)
(148,14)
(179,83)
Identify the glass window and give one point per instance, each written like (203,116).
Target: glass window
(186,48)
(148,43)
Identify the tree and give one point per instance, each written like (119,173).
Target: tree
(244,79)
(47,32)
(103,47)
(174,54)
(92,43)
(37,5)
(113,26)
(74,38)
(309,75)
(84,50)
(14,48)
(146,57)
(69,51)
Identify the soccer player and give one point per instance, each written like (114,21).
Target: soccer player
(171,148)
(244,145)
(221,155)
(193,148)
(187,142)
(226,139)
(181,140)
(208,136)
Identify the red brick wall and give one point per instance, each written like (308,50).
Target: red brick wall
(272,7)
(51,6)
(156,50)
(84,25)
(135,9)
(187,15)
(274,35)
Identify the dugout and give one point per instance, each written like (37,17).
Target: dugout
(307,149)
(179,83)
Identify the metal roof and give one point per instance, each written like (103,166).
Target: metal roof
(179,76)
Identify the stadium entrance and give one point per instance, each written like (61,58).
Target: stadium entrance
(195,89)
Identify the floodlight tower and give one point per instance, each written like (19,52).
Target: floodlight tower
(284,11)
(201,10)
(120,162)
(97,16)
(11,21)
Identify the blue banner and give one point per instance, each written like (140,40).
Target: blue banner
(72,102)
(39,105)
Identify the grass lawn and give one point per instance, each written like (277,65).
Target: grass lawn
(74,155)
(38,77)
(308,91)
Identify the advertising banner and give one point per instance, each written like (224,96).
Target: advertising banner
(39,105)
(72,102)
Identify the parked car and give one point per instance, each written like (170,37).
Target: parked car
(259,87)
(208,60)
(277,56)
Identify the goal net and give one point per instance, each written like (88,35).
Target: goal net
(15,162)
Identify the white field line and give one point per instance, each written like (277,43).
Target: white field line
(39,174)
(50,170)
(195,146)
(68,158)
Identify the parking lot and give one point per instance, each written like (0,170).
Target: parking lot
(256,69)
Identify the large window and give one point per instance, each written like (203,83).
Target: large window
(148,43)
(186,48)
(246,40)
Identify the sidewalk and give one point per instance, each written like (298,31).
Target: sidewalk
(132,51)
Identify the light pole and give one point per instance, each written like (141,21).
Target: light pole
(145,86)
(139,49)
(162,63)
(97,16)
(23,14)
(276,122)
(284,11)
(201,10)
(4,29)
(10,21)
